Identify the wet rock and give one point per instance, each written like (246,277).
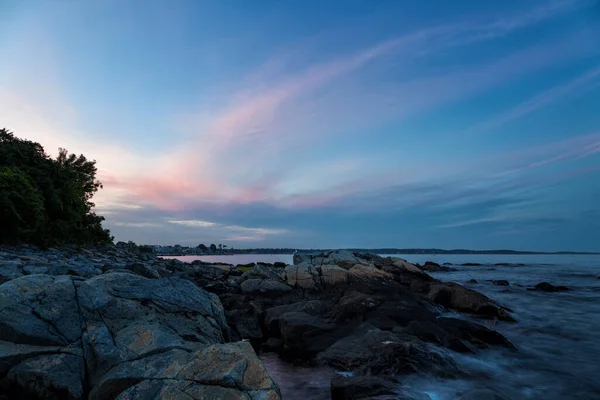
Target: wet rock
(472,281)
(361,387)
(547,287)
(279,264)
(373,351)
(501,283)
(457,334)
(431,266)
(454,296)
(471,265)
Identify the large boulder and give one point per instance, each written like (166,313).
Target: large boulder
(371,351)
(222,371)
(272,316)
(454,296)
(120,334)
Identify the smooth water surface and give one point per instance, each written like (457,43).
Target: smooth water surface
(558,334)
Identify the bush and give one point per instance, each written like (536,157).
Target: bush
(47,201)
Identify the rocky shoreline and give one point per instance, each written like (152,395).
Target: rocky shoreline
(105,323)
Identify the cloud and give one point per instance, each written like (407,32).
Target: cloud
(193,223)
(545,98)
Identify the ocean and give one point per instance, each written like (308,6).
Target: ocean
(557,334)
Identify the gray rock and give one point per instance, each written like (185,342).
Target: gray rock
(10,270)
(35,269)
(265,286)
(118,334)
(229,370)
(144,270)
(78,269)
(48,376)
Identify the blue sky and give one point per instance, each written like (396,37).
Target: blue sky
(461,124)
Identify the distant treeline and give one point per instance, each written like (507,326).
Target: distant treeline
(47,201)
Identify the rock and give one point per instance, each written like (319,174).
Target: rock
(405,266)
(46,377)
(457,334)
(547,287)
(264,286)
(301,331)
(83,270)
(501,283)
(272,316)
(273,344)
(360,387)
(480,394)
(222,371)
(430,266)
(377,352)
(364,272)
(35,269)
(279,264)
(10,270)
(454,296)
(144,270)
(472,281)
(61,336)
(308,276)
(471,265)
(260,272)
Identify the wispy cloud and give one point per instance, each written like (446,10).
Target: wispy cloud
(545,98)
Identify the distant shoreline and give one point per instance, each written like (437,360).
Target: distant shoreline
(390,251)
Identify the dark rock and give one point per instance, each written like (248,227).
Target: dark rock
(457,334)
(144,270)
(273,344)
(360,387)
(305,334)
(430,266)
(377,352)
(264,286)
(480,394)
(471,281)
(272,316)
(471,265)
(547,287)
(10,270)
(454,296)
(501,283)
(279,264)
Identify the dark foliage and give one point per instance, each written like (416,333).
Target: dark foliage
(47,201)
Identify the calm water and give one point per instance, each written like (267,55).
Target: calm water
(558,334)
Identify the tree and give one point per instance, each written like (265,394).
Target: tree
(47,201)
(213,248)
(220,247)
(203,248)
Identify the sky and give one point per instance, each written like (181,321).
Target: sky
(312,124)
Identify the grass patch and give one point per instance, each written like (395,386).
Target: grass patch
(244,269)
